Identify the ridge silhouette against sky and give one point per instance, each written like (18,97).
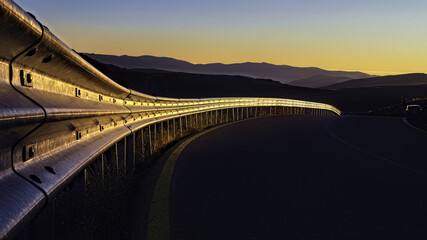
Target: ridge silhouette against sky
(282,73)
(377,37)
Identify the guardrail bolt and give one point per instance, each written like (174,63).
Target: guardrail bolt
(27,80)
(29,152)
(101,98)
(78,135)
(32,52)
(35,178)
(47,59)
(101,127)
(50,169)
(78,93)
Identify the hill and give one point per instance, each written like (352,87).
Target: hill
(413,79)
(186,85)
(318,81)
(281,73)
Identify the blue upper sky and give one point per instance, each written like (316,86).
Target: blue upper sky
(334,34)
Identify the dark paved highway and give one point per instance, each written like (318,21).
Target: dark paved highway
(302,177)
(290,178)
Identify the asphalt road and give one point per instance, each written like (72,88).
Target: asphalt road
(302,177)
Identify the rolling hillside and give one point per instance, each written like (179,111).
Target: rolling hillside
(281,73)
(414,79)
(187,85)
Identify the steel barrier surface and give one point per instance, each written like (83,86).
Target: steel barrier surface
(59,113)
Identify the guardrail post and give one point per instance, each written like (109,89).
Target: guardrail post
(139,146)
(121,156)
(157,139)
(190,122)
(95,192)
(168,132)
(174,131)
(204,119)
(130,153)
(162,132)
(151,134)
(186,124)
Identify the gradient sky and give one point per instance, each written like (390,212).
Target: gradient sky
(375,36)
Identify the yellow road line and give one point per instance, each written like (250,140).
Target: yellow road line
(158,221)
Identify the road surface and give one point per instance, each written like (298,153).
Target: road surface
(301,177)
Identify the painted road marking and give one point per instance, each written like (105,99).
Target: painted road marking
(158,220)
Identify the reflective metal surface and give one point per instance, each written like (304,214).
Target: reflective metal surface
(58,113)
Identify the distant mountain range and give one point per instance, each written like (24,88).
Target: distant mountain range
(363,99)
(414,79)
(304,77)
(318,81)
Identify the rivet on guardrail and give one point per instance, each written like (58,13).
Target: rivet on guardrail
(101,127)
(114,100)
(32,52)
(78,92)
(125,102)
(78,135)
(50,169)
(134,103)
(47,59)
(26,80)
(35,178)
(101,98)
(114,123)
(29,152)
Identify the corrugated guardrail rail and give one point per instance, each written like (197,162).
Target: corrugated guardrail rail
(58,114)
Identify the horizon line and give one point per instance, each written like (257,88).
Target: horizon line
(369,72)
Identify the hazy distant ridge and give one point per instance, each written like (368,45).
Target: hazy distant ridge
(413,79)
(282,73)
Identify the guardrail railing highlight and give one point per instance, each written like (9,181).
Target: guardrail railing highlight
(59,114)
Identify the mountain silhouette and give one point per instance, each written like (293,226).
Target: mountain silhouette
(318,81)
(281,73)
(413,79)
(188,85)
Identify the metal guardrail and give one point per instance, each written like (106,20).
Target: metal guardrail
(58,113)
